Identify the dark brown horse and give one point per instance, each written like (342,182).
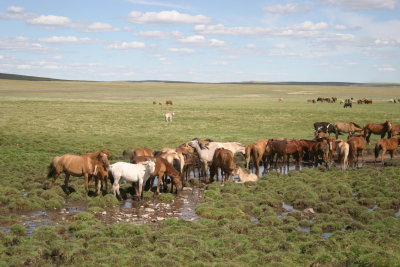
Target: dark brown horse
(377,128)
(223,159)
(395,130)
(387,144)
(77,165)
(357,144)
(278,148)
(162,169)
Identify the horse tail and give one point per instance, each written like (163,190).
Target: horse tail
(377,148)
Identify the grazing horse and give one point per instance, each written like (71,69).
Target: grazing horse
(278,148)
(324,127)
(163,169)
(245,176)
(169,102)
(223,159)
(346,127)
(347,105)
(357,144)
(77,165)
(377,128)
(386,144)
(321,149)
(136,173)
(395,130)
(342,149)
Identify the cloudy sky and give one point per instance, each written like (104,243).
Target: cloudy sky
(202,40)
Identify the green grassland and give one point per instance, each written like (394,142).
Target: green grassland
(43,119)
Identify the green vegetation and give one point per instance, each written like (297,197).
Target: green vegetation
(242,224)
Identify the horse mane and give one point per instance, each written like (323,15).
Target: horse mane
(355,124)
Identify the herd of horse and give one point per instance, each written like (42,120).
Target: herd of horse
(211,158)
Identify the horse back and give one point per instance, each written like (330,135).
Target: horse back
(76,165)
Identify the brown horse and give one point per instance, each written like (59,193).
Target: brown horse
(386,144)
(101,177)
(395,130)
(223,159)
(76,165)
(357,144)
(346,127)
(295,149)
(259,153)
(162,169)
(247,154)
(377,128)
(131,154)
(169,102)
(278,148)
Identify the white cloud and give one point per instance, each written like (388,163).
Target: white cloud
(65,39)
(182,50)
(310,26)
(152,3)
(22,44)
(280,46)
(387,69)
(126,45)
(285,9)
(50,21)
(201,40)
(24,67)
(251,46)
(387,42)
(1,56)
(100,27)
(15,9)
(166,17)
(159,34)
(363,4)
(340,27)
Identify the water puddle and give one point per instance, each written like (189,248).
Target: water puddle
(304,229)
(373,208)
(254,220)
(326,235)
(397,214)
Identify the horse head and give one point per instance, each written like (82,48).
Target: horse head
(103,157)
(389,124)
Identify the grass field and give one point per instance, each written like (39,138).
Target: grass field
(40,120)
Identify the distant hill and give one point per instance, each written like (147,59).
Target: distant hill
(6,76)
(34,78)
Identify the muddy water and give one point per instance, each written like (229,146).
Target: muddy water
(130,211)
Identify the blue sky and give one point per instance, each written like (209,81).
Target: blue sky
(201,40)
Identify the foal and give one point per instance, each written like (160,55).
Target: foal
(168,116)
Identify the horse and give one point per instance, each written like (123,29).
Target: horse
(324,127)
(342,149)
(259,153)
(162,169)
(395,130)
(277,147)
(377,128)
(347,105)
(168,116)
(321,149)
(136,173)
(223,159)
(346,127)
(357,144)
(101,177)
(77,165)
(169,102)
(247,154)
(386,144)
(245,176)
(130,154)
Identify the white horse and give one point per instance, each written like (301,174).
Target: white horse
(245,176)
(136,173)
(168,116)
(342,149)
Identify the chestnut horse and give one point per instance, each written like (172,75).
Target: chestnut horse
(395,130)
(77,165)
(387,144)
(101,177)
(162,169)
(258,153)
(377,128)
(357,144)
(223,159)
(346,127)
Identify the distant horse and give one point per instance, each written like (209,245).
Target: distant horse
(347,105)
(162,169)
(346,127)
(377,128)
(387,144)
(357,144)
(77,165)
(169,102)
(135,173)
(168,116)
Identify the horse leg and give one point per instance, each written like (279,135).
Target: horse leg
(383,154)
(66,179)
(86,176)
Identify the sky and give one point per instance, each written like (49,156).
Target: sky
(202,40)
